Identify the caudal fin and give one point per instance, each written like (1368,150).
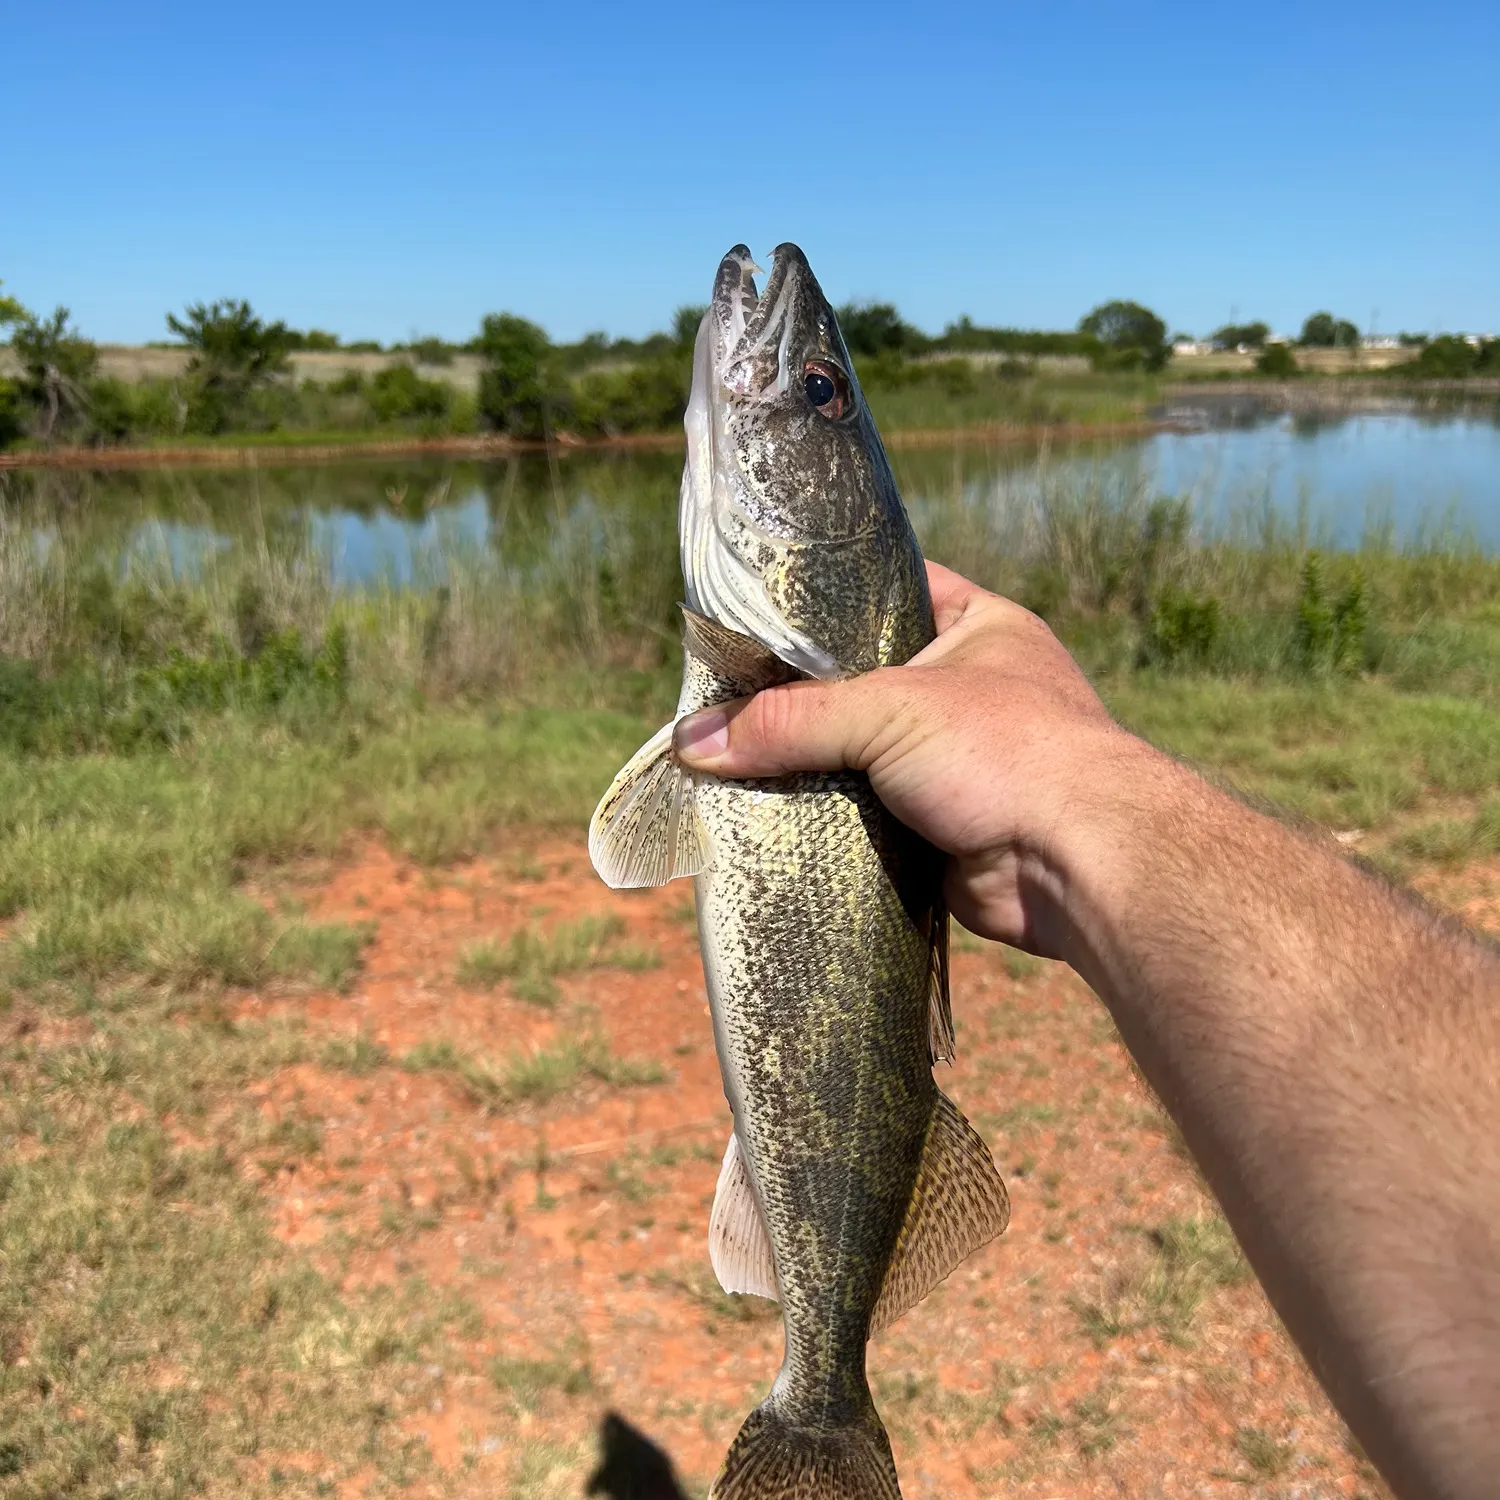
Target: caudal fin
(773,1460)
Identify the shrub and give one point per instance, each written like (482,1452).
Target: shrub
(1277,362)
(514,387)
(111,405)
(234,355)
(431,351)
(10,412)
(399,394)
(1449,357)
(1183,628)
(647,397)
(1330,635)
(57,366)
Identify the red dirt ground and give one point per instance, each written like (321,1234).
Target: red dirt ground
(576,1229)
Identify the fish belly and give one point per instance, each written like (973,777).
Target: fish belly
(818,981)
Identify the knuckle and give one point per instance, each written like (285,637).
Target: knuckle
(779,714)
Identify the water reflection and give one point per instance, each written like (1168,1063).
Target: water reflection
(1399,474)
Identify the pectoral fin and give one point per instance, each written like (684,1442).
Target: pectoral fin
(740,659)
(646,829)
(738,1246)
(959,1204)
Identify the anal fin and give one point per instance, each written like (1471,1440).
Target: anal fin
(959,1203)
(646,829)
(738,1246)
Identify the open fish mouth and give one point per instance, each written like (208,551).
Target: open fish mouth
(749,328)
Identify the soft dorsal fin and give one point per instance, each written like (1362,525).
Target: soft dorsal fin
(727,653)
(646,829)
(940,1038)
(959,1203)
(738,1246)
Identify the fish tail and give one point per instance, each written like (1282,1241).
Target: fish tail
(772,1459)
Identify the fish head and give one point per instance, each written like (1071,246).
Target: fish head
(792,527)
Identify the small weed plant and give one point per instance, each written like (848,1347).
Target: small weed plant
(531,959)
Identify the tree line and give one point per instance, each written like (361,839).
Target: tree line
(238,376)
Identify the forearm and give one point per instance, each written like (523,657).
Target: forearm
(1328,1049)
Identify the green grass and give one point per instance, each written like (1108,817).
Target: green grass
(116,866)
(356,1053)
(533,1077)
(1453,840)
(528,1380)
(157,1338)
(1350,754)
(1188,1259)
(1266,1455)
(531,959)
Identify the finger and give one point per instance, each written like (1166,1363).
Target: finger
(803,726)
(951,594)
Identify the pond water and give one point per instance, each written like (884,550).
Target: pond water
(1401,475)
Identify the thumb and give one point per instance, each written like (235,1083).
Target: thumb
(802,726)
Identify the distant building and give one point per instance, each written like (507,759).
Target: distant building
(1380,341)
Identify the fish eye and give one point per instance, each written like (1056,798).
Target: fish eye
(827,388)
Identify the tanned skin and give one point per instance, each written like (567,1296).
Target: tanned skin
(1329,1047)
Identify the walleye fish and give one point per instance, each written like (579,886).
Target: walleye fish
(851,1186)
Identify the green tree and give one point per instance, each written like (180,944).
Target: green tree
(234,354)
(11,428)
(1232,335)
(1451,357)
(1318,331)
(872,328)
(11,311)
(1323,331)
(1129,336)
(515,387)
(315,340)
(57,366)
(431,350)
(685,323)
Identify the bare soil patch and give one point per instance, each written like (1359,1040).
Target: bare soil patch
(1110,1344)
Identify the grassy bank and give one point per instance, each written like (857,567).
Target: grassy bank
(166,733)
(175,748)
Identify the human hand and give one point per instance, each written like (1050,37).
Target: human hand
(990,743)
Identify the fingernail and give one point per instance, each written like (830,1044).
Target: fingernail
(703,735)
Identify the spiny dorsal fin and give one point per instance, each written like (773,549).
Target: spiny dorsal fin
(738,1245)
(646,829)
(940,1038)
(738,658)
(959,1204)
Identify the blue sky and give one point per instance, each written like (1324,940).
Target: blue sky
(383,170)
